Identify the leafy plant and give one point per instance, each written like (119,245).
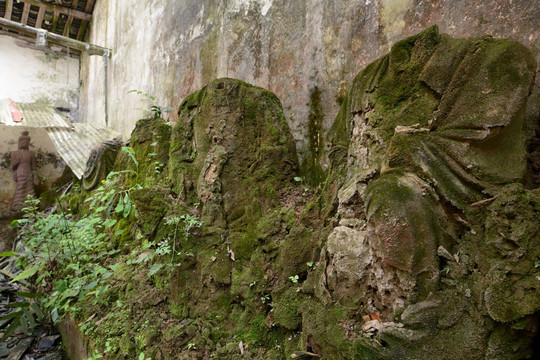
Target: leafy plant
(95,356)
(294,279)
(110,194)
(142,357)
(265,298)
(58,246)
(24,314)
(169,245)
(153,110)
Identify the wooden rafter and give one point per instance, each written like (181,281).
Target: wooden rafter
(26,12)
(9,9)
(29,42)
(55,16)
(69,21)
(89,6)
(61,9)
(54,21)
(41,15)
(32,32)
(82,30)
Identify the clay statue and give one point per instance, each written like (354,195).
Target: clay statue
(23,167)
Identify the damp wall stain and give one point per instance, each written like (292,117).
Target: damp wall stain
(287,47)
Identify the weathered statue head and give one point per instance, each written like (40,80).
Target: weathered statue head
(24,141)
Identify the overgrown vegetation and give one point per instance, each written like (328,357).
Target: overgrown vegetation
(152,110)
(72,259)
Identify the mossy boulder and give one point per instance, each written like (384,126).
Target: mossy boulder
(230,148)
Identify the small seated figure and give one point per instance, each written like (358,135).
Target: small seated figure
(23,168)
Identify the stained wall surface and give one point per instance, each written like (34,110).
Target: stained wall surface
(29,75)
(170,48)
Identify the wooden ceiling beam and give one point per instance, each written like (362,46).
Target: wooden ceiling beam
(9,9)
(60,8)
(67,27)
(55,38)
(41,15)
(26,12)
(55,21)
(82,30)
(30,43)
(69,22)
(89,6)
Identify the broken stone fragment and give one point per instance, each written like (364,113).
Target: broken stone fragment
(442,252)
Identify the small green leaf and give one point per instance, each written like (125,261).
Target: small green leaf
(11,328)
(129,150)
(24,323)
(109,223)
(36,310)
(120,206)
(127,206)
(28,295)
(154,269)
(8,253)
(26,274)
(18,305)
(54,315)
(297,179)
(92,285)
(11,315)
(30,317)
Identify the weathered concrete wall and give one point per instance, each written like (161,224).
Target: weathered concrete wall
(28,75)
(171,48)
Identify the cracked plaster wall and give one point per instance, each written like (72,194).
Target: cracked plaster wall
(171,48)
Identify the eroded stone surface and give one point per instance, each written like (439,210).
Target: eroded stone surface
(385,260)
(426,131)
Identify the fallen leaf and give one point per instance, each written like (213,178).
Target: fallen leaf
(90,318)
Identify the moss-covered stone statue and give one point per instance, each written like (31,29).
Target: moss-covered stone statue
(23,168)
(437,125)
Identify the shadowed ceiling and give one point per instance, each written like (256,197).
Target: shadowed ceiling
(69,18)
